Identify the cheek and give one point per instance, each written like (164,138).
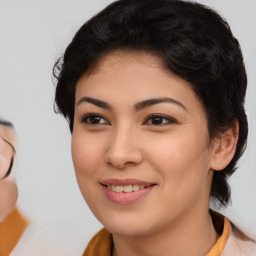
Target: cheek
(182,162)
(85,154)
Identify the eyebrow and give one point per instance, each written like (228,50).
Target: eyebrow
(96,102)
(138,106)
(147,103)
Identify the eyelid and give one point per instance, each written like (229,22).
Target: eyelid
(171,120)
(84,117)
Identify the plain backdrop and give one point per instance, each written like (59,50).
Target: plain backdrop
(33,34)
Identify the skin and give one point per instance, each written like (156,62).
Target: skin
(8,197)
(8,188)
(176,155)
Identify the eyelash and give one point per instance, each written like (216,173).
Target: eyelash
(91,115)
(167,119)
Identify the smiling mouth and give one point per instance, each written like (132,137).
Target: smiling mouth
(125,185)
(125,192)
(126,189)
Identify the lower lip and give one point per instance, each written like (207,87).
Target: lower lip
(125,197)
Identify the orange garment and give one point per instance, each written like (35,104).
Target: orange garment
(101,243)
(11,230)
(218,248)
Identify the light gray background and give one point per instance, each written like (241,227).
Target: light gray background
(33,34)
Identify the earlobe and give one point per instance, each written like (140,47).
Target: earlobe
(224,148)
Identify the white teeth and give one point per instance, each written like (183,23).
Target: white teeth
(119,189)
(126,189)
(135,187)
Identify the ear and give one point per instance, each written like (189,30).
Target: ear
(224,148)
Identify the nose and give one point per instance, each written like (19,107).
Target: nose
(123,149)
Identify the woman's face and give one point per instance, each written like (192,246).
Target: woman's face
(140,145)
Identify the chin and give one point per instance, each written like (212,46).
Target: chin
(127,223)
(127,230)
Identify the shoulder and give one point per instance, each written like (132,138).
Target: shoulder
(11,230)
(238,244)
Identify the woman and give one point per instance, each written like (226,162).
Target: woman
(12,223)
(154,95)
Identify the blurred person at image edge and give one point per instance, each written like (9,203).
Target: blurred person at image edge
(12,223)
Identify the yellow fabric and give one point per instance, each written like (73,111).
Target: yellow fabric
(101,243)
(218,248)
(11,230)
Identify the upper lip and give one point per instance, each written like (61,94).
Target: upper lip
(126,182)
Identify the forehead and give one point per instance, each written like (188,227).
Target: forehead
(140,74)
(125,67)
(127,63)
(121,57)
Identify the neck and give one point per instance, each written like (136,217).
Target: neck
(192,235)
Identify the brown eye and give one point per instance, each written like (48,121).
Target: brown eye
(94,119)
(157,119)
